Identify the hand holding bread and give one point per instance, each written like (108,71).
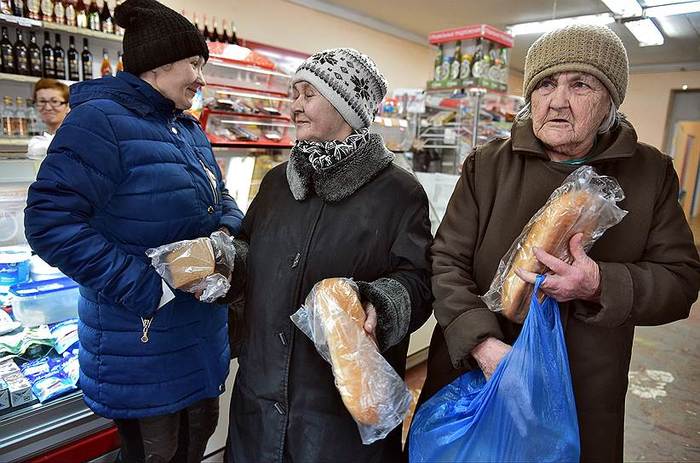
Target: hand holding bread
(584,204)
(334,319)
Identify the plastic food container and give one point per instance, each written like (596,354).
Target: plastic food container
(14,266)
(43,302)
(40,270)
(12,204)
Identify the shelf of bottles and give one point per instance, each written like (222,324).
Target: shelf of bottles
(471,57)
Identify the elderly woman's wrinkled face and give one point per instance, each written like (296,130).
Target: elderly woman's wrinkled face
(567,110)
(314,117)
(179,81)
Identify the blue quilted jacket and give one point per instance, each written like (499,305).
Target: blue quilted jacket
(126,172)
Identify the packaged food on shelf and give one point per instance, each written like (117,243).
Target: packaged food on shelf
(14,266)
(13,199)
(43,302)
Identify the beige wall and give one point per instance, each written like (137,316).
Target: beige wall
(646,103)
(283,24)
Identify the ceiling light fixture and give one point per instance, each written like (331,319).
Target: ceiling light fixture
(540,27)
(672,9)
(646,32)
(625,8)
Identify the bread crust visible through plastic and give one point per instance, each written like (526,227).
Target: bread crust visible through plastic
(584,203)
(374,394)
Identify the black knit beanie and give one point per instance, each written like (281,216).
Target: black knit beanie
(155,35)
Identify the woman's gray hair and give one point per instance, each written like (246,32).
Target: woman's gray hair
(611,120)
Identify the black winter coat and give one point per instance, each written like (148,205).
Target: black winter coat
(285,406)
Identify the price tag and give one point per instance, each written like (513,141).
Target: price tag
(450,136)
(403,123)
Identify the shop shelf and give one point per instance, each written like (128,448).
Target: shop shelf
(255,116)
(26,79)
(51,26)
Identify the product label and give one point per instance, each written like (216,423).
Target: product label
(81,19)
(22,62)
(87,70)
(35,56)
(73,69)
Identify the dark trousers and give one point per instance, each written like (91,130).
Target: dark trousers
(179,437)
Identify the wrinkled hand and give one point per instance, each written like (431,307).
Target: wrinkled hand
(489,354)
(370,325)
(564,282)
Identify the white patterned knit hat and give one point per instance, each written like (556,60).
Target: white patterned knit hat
(349,80)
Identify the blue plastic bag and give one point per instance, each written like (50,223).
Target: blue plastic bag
(524,413)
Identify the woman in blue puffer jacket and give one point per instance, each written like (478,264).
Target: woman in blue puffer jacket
(128,171)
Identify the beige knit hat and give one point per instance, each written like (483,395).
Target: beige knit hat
(595,50)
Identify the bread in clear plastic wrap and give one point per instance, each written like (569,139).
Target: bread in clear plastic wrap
(374,394)
(202,264)
(584,203)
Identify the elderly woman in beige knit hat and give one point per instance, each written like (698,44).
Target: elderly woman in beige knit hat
(644,271)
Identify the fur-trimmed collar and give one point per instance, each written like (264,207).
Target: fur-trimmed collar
(342,179)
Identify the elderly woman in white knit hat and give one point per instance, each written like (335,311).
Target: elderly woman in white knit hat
(338,208)
(644,271)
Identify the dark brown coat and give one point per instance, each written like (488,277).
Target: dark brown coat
(650,273)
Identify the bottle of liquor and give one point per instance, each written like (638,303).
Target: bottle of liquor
(205,32)
(59,12)
(224,34)
(87,61)
(6,52)
(504,67)
(478,64)
(93,15)
(6,7)
(106,19)
(34,56)
(119,30)
(234,38)
(21,118)
(36,126)
(195,21)
(71,18)
(446,66)
(73,60)
(19,8)
(47,57)
(486,64)
(456,61)
(81,19)
(466,65)
(59,59)
(437,73)
(47,9)
(34,8)
(120,62)
(21,53)
(215,31)
(106,67)
(8,116)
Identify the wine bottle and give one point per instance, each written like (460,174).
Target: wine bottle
(34,56)
(21,53)
(47,57)
(93,16)
(47,9)
(59,59)
(8,57)
(70,13)
(106,19)
(87,61)
(59,12)
(73,60)
(81,19)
